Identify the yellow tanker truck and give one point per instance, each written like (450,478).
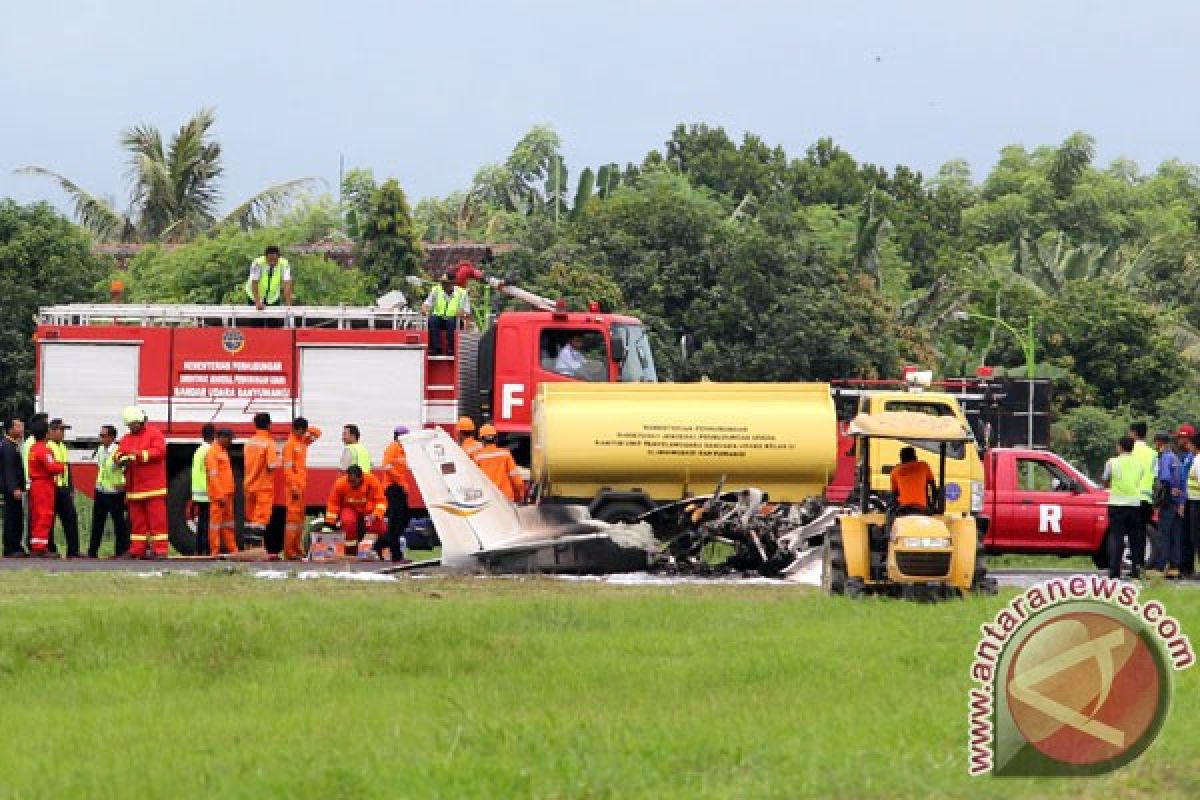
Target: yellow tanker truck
(623,449)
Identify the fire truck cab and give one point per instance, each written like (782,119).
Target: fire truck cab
(191,364)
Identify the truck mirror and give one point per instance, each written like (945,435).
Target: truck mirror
(618,351)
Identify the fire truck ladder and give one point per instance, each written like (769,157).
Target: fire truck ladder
(230,316)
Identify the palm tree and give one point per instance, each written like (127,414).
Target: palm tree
(174,193)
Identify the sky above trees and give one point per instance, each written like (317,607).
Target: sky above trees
(428,92)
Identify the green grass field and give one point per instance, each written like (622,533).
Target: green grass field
(221,685)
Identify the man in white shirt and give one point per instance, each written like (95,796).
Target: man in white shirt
(570,358)
(270,279)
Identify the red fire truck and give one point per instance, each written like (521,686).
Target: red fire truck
(191,364)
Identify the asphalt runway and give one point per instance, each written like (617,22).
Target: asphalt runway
(381,571)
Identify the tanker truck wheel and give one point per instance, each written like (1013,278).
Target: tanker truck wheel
(833,562)
(179,499)
(621,512)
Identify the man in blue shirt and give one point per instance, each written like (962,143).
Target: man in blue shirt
(1169,498)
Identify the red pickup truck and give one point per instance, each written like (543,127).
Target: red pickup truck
(1035,502)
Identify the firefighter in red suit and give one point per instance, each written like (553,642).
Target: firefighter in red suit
(143,452)
(43,467)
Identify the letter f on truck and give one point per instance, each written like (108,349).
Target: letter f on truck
(510,398)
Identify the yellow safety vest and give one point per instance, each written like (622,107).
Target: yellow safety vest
(1125,481)
(111,477)
(200,474)
(269,281)
(444,306)
(63,457)
(361,457)
(1148,458)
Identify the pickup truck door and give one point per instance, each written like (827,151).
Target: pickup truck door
(1052,509)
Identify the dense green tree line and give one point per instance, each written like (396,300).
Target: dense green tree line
(782,266)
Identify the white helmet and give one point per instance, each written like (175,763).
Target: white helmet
(133,414)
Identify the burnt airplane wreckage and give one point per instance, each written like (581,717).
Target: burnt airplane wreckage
(480,530)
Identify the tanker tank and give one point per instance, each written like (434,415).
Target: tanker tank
(624,447)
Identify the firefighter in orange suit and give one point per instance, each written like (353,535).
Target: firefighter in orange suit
(295,478)
(261,460)
(143,453)
(497,463)
(357,504)
(466,437)
(43,468)
(222,535)
(397,487)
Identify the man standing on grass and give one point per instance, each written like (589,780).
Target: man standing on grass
(1123,475)
(12,480)
(110,497)
(200,486)
(295,479)
(43,469)
(64,493)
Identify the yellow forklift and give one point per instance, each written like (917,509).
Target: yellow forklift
(877,547)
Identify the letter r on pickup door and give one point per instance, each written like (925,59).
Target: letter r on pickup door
(1049,519)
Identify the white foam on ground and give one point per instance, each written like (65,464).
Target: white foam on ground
(369,577)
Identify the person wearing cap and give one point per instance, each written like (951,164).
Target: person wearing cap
(356,504)
(446,305)
(143,454)
(1168,500)
(466,437)
(221,532)
(109,500)
(64,489)
(295,482)
(43,469)
(498,464)
(397,486)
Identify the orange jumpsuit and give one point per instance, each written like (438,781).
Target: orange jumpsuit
(261,459)
(349,506)
(295,479)
(221,531)
(471,446)
(497,463)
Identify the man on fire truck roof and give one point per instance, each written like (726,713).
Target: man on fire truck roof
(269,274)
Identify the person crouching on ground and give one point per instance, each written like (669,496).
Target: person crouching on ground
(357,505)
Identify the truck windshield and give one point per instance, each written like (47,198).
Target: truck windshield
(638,364)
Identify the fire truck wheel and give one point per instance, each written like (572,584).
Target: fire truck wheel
(179,493)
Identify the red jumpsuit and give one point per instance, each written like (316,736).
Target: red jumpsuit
(146,489)
(42,469)
(350,507)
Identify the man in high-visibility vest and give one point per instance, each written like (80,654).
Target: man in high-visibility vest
(1147,456)
(64,492)
(446,305)
(466,437)
(498,464)
(354,453)
(1185,556)
(200,501)
(109,500)
(357,504)
(397,486)
(270,280)
(295,479)
(261,460)
(1123,475)
(43,469)
(222,533)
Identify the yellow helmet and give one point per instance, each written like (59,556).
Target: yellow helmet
(466,424)
(133,414)
(487,430)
